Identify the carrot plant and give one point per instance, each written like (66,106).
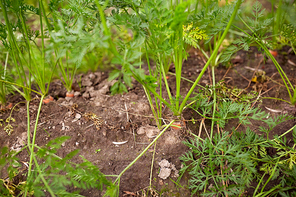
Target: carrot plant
(228,163)
(166,29)
(258,28)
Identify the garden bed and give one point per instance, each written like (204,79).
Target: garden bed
(148,98)
(125,124)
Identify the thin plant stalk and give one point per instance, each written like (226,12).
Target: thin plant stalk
(262,194)
(43,179)
(39,73)
(31,145)
(155,115)
(151,171)
(159,103)
(3,89)
(178,67)
(42,43)
(214,101)
(288,131)
(143,152)
(34,136)
(271,175)
(28,137)
(261,180)
(166,81)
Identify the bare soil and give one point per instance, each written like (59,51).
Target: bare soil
(117,128)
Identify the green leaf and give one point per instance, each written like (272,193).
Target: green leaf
(117,60)
(118,88)
(114,74)
(127,79)
(180,15)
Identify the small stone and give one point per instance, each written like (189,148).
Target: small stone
(164,173)
(237,59)
(150,131)
(103,90)
(68,98)
(94,93)
(85,95)
(164,163)
(141,130)
(91,76)
(160,182)
(86,82)
(78,116)
(76,94)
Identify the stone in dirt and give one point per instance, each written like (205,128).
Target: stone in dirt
(150,131)
(164,173)
(21,141)
(166,168)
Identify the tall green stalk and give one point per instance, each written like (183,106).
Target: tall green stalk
(214,101)
(31,146)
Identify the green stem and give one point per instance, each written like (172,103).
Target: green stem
(160,103)
(214,101)
(278,137)
(276,99)
(212,56)
(42,177)
(178,68)
(42,46)
(259,184)
(155,115)
(106,29)
(28,140)
(166,83)
(151,171)
(143,152)
(271,175)
(24,87)
(34,136)
(154,92)
(188,80)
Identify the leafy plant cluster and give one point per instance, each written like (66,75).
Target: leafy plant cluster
(60,173)
(227,163)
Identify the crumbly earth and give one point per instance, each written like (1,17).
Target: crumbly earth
(111,131)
